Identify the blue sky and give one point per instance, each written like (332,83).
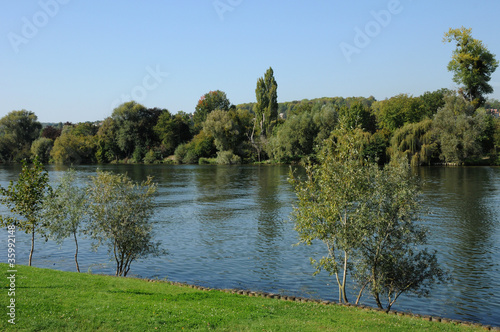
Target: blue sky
(74,60)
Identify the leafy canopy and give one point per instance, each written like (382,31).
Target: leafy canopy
(472,64)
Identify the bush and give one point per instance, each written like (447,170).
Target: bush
(207,161)
(138,154)
(227,158)
(152,157)
(180,152)
(200,146)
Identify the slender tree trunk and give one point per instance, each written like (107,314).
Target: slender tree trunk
(116,259)
(76,253)
(252,139)
(253,130)
(340,287)
(344,278)
(32,244)
(361,292)
(376,294)
(262,125)
(342,284)
(377,300)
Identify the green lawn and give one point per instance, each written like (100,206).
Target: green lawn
(48,300)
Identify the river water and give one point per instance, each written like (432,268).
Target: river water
(229,227)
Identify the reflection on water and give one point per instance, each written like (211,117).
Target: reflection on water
(228,227)
(465,229)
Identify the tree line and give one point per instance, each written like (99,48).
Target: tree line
(437,127)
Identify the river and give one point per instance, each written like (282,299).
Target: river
(229,227)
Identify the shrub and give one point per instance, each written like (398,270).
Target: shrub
(227,158)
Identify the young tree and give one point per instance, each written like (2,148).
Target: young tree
(472,64)
(329,203)
(391,259)
(119,211)
(66,210)
(25,198)
(367,217)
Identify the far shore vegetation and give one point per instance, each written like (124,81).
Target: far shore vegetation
(442,127)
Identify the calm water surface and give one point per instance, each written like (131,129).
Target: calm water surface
(228,227)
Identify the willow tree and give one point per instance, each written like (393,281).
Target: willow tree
(415,141)
(472,64)
(25,200)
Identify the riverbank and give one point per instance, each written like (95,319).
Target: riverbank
(53,300)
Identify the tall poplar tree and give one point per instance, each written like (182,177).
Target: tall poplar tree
(266,110)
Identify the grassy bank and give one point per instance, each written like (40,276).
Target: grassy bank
(67,301)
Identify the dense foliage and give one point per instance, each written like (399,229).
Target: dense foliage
(472,64)
(434,128)
(437,127)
